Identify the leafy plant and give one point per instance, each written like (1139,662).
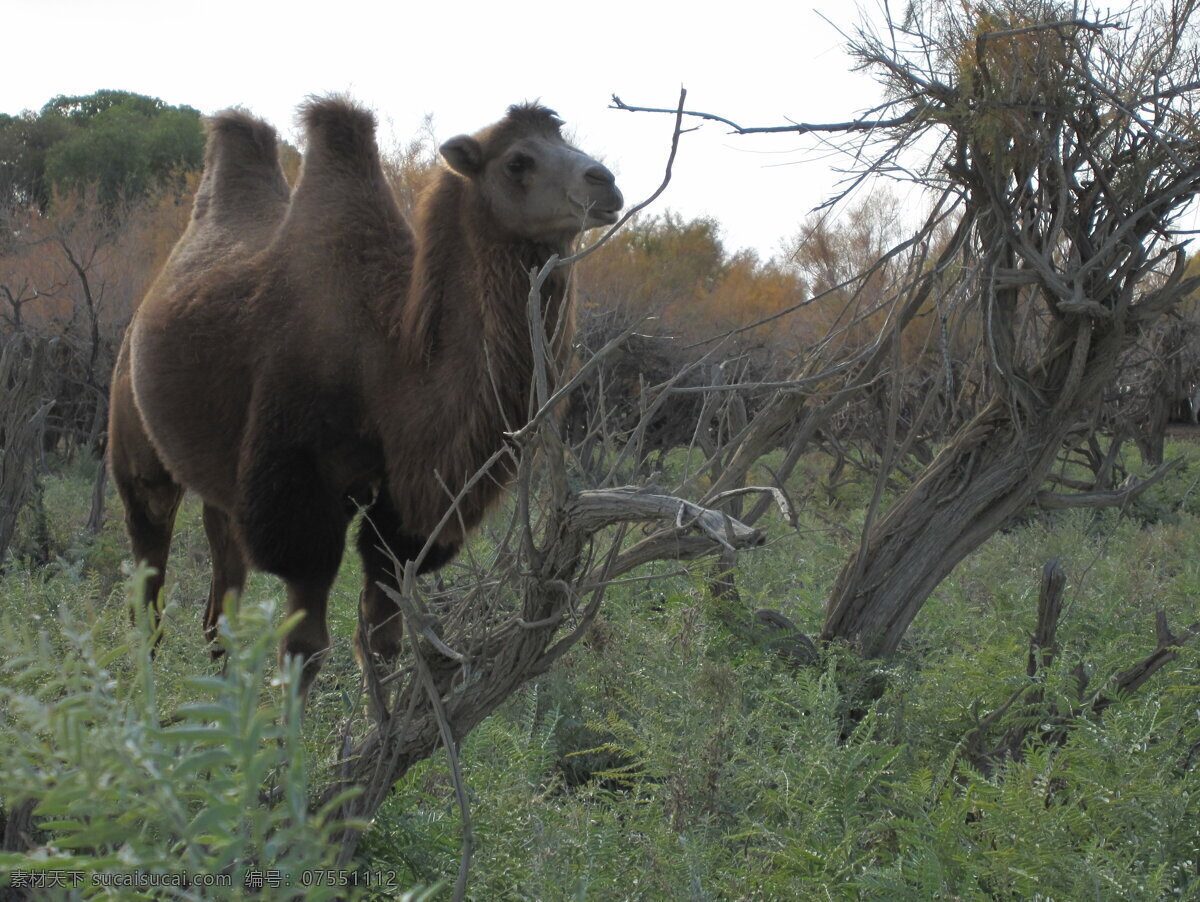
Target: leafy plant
(211,802)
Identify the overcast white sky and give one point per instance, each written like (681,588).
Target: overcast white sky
(753,61)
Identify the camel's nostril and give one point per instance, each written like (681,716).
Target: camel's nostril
(599,175)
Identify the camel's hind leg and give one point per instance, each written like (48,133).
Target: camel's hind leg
(150,508)
(228,570)
(150,495)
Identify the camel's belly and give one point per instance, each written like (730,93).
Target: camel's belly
(190,389)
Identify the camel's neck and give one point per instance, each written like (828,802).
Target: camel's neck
(471,289)
(464,346)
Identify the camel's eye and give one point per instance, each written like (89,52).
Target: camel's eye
(519,164)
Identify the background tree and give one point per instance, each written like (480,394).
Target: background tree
(120,144)
(83,233)
(1071,149)
(408,166)
(696,344)
(24,142)
(1062,152)
(23,408)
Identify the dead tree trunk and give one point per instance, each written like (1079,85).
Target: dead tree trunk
(991,471)
(1070,194)
(23,409)
(1028,713)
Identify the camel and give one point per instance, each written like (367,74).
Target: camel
(301,358)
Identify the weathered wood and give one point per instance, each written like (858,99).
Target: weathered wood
(23,411)
(1118,497)
(1025,712)
(489,664)
(1043,645)
(16,827)
(1132,679)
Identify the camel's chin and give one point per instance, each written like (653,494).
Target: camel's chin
(598,218)
(576,225)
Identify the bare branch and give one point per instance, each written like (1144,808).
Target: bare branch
(637,208)
(1115,498)
(856,125)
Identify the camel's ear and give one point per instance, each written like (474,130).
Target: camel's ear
(464,155)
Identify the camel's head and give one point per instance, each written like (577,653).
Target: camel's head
(536,185)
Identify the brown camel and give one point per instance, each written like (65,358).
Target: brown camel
(298,359)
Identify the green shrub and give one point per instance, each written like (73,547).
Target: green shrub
(215,796)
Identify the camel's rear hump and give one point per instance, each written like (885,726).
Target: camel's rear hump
(242,197)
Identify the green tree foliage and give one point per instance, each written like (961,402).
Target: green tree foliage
(124,144)
(24,141)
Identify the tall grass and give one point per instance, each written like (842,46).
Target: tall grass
(664,758)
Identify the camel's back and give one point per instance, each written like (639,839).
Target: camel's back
(233,339)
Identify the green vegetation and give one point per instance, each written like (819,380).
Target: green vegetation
(121,144)
(665,758)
